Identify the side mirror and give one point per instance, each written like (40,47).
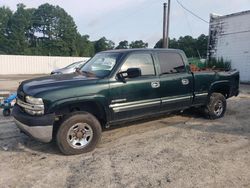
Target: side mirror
(130,73)
(134,72)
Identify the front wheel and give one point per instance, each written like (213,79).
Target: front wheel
(6,112)
(78,133)
(216,106)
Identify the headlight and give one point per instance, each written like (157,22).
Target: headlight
(32,100)
(33,106)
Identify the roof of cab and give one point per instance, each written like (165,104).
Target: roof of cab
(145,50)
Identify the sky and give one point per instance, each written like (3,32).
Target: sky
(131,20)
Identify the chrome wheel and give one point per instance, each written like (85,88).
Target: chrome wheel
(218,108)
(79,135)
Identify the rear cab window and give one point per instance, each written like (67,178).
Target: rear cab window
(170,63)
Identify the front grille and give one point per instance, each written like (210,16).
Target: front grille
(20,95)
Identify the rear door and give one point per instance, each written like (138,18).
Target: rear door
(139,96)
(176,83)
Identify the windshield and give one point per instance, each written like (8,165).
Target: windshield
(101,64)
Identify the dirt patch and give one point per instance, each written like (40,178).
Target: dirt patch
(171,151)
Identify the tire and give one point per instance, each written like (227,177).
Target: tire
(78,133)
(6,112)
(216,106)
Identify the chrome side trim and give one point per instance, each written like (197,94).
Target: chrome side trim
(40,133)
(120,107)
(135,106)
(118,100)
(30,106)
(164,100)
(134,103)
(201,94)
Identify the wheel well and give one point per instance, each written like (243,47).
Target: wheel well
(223,89)
(91,107)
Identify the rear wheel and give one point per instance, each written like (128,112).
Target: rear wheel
(216,106)
(78,133)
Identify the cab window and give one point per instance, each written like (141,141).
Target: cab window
(171,63)
(143,61)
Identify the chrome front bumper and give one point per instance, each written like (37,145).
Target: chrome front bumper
(40,133)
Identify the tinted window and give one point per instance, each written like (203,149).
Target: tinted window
(142,61)
(171,63)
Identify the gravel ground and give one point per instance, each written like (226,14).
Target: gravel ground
(182,150)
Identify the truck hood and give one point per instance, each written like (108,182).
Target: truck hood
(35,86)
(63,70)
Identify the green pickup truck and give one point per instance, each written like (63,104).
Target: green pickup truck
(115,87)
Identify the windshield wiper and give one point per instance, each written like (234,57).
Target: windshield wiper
(86,73)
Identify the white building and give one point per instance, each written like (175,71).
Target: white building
(229,37)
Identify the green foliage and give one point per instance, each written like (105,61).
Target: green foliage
(55,32)
(192,47)
(219,63)
(103,44)
(84,46)
(6,14)
(213,63)
(138,44)
(19,27)
(47,30)
(201,45)
(197,62)
(134,44)
(123,45)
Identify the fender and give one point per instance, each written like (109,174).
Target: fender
(100,100)
(221,86)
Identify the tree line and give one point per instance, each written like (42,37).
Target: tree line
(50,30)
(193,47)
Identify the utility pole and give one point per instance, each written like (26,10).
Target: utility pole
(166,15)
(168,23)
(164,41)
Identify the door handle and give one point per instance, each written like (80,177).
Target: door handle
(155,84)
(185,81)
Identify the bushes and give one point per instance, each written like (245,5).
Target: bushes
(213,64)
(219,64)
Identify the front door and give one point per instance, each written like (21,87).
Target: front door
(136,97)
